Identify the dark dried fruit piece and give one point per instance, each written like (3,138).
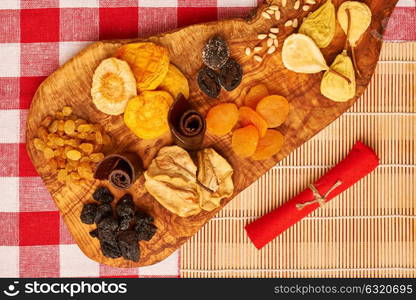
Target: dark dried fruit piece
(103,194)
(128,244)
(103,211)
(215,52)
(88,213)
(231,74)
(110,249)
(108,224)
(125,211)
(145,231)
(107,235)
(94,233)
(209,82)
(143,218)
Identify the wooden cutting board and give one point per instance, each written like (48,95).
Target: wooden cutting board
(310,112)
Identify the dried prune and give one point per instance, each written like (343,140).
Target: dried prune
(143,218)
(209,82)
(125,211)
(110,249)
(215,52)
(107,235)
(107,224)
(102,194)
(128,244)
(145,231)
(88,213)
(94,233)
(231,74)
(103,210)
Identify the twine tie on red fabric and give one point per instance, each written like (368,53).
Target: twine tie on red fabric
(318,198)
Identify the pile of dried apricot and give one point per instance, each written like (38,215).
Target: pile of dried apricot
(71,145)
(260,112)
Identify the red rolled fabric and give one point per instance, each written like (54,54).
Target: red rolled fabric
(359,162)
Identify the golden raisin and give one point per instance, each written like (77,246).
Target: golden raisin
(86,147)
(53,127)
(66,111)
(62,175)
(69,127)
(47,121)
(73,154)
(39,144)
(48,153)
(96,157)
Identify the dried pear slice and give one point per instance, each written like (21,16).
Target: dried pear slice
(320,25)
(300,54)
(335,87)
(360,20)
(175,83)
(113,84)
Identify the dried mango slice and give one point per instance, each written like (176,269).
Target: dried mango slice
(255,94)
(274,109)
(221,118)
(113,84)
(175,83)
(249,116)
(147,114)
(148,61)
(245,140)
(269,145)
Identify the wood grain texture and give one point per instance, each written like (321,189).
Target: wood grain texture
(310,112)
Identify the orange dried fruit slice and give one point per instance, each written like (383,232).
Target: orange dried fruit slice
(249,116)
(255,94)
(221,118)
(269,145)
(113,84)
(274,109)
(148,61)
(147,114)
(175,83)
(244,141)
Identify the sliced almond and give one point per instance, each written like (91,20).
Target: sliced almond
(266,15)
(271,50)
(296,5)
(305,7)
(258,58)
(295,23)
(274,30)
(248,51)
(269,42)
(288,23)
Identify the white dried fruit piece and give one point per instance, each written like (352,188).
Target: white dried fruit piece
(295,23)
(288,23)
(248,51)
(269,42)
(305,7)
(296,5)
(262,36)
(113,85)
(274,30)
(266,15)
(258,58)
(271,50)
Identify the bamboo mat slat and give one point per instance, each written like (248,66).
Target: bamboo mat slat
(368,231)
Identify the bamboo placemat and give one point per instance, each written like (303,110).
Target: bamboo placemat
(368,231)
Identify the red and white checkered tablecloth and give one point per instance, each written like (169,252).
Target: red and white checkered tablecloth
(36,37)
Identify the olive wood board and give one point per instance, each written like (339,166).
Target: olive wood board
(309,113)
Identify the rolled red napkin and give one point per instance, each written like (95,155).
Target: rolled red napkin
(359,162)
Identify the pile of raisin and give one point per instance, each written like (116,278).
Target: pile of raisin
(220,69)
(118,231)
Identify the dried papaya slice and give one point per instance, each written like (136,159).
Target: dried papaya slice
(249,116)
(175,83)
(269,145)
(113,84)
(148,61)
(274,109)
(147,114)
(221,118)
(255,94)
(245,140)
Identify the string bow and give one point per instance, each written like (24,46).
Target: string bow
(318,198)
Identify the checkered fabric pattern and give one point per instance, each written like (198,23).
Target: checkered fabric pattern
(36,37)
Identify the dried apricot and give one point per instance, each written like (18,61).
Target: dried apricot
(255,94)
(249,116)
(147,114)
(175,83)
(86,147)
(221,118)
(73,154)
(245,140)
(274,109)
(148,61)
(269,145)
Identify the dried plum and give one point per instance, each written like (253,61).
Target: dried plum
(143,218)
(215,52)
(94,233)
(209,82)
(107,224)
(128,244)
(88,213)
(145,231)
(110,249)
(231,74)
(125,211)
(103,210)
(103,194)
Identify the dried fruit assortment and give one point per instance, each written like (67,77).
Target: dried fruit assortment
(119,231)
(220,69)
(71,145)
